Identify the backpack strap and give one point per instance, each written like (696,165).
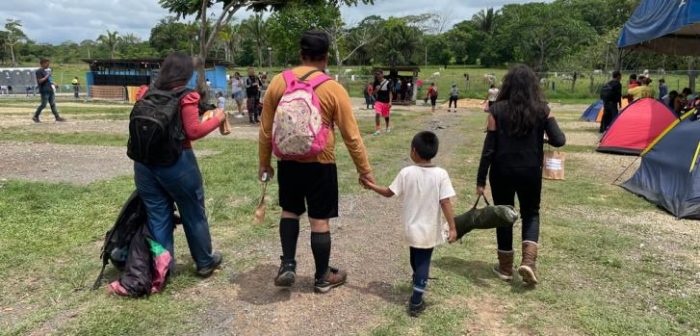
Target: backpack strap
(290,78)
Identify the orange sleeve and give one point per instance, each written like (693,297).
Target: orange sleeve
(272,96)
(347,125)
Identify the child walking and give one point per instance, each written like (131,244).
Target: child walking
(425,190)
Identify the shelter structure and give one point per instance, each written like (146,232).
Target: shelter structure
(668,175)
(636,127)
(594,113)
(664,26)
(119,79)
(408,75)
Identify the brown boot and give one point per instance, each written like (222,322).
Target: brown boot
(504,268)
(527,269)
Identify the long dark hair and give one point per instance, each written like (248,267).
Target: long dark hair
(177,70)
(526,104)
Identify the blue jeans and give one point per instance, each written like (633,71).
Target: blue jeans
(50,98)
(182,183)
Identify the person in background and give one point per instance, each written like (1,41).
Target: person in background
(180,182)
(631,84)
(382,104)
(663,89)
(369,95)
(491,95)
(220,101)
(681,101)
(46,90)
(425,190)
(454,97)
(76,87)
(433,96)
(642,91)
(237,93)
(611,94)
(311,182)
(252,91)
(512,158)
(397,89)
(670,99)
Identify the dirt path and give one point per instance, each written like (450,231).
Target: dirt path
(367,241)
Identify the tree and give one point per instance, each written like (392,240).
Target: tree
(256,27)
(539,33)
(355,38)
(110,41)
(399,41)
(169,35)
(14,36)
(198,8)
(485,20)
(438,50)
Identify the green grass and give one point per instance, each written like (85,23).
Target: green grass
(596,277)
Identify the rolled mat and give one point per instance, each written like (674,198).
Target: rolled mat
(488,217)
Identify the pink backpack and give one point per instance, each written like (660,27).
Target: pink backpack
(298,131)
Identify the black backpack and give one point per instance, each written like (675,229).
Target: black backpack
(155,128)
(606,92)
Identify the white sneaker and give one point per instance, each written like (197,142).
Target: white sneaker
(388,129)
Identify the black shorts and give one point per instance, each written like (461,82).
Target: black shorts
(433,100)
(313,184)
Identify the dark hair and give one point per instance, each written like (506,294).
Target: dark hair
(672,95)
(43,60)
(237,74)
(687,91)
(616,74)
(493,86)
(662,80)
(314,45)
(526,103)
(177,70)
(426,144)
(633,77)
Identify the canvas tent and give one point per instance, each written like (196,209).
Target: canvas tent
(664,26)
(669,176)
(636,127)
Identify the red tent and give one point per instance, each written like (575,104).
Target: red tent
(636,127)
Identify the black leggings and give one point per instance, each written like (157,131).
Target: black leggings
(453,100)
(609,115)
(527,184)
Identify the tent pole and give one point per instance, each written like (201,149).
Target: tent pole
(618,66)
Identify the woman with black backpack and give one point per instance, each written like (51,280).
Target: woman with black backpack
(179,178)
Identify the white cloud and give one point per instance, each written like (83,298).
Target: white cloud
(57,21)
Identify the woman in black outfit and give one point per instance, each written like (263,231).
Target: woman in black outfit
(513,154)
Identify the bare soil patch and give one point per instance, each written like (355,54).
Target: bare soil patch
(78,164)
(488,316)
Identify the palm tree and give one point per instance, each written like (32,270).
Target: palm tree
(257,28)
(229,37)
(111,40)
(486,20)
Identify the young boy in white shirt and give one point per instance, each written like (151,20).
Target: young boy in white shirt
(425,190)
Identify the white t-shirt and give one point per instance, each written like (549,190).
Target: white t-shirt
(493,94)
(221,102)
(421,190)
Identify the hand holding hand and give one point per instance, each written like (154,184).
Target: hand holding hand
(366,180)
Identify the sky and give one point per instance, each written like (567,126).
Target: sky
(57,21)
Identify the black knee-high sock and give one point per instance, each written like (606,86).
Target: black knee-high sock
(289,232)
(321,248)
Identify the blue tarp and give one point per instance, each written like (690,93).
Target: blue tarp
(666,26)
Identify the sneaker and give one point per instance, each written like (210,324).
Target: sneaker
(416,309)
(333,278)
(376,133)
(36,120)
(286,274)
(388,129)
(208,271)
(59,119)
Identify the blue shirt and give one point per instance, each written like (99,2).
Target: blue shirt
(663,91)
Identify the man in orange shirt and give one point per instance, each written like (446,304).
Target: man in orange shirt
(312,182)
